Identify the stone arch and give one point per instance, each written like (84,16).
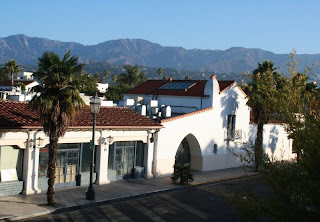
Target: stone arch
(189,151)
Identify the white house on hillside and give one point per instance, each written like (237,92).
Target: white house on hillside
(15,93)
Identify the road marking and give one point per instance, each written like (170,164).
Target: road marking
(188,208)
(145,211)
(113,214)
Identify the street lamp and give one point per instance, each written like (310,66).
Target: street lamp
(95,104)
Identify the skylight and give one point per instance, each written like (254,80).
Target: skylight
(178,85)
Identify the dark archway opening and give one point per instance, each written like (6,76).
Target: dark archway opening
(183,153)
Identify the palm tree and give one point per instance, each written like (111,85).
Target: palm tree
(57,100)
(133,77)
(262,93)
(12,67)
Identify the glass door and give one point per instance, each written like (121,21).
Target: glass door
(66,167)
(124,161)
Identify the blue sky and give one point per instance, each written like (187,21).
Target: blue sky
(273,25)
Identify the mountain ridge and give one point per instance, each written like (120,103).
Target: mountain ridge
(26,50)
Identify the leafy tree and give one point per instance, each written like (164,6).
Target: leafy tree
(4,74)
(57,100)
(12,67)
(106,72)
(88,84)
(294,184)
(98,77)
(22,85)
(133,76)
(115,93)
(262,98)
(114,78)
(165,77)
(160,71)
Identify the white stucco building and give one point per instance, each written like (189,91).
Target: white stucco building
(209,118)
(195,121)
(122,142)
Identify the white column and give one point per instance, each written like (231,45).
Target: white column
(30,166)
(149,157)
(102,162)
(155,154)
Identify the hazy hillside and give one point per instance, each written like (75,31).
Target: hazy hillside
(26,50)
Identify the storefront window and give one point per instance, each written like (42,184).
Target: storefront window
(11,159)
(121,154)
(86,157)
(139,154)
(67,155)
(111,157)
(43,162)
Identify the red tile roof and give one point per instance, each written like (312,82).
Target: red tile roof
(151,87)
(14,115)
(186,115)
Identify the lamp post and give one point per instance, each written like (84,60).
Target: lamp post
(95,104)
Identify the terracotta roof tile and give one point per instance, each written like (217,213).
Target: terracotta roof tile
(15,115)
(151,87)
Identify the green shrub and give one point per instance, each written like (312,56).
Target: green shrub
(182,172)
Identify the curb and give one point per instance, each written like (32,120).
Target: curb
(116,200)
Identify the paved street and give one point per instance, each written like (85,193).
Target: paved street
(203,203)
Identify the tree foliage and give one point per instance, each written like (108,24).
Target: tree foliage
(21,85)
(115,93)
(295,184)
(12,68)
(183,173)
(262,98)
(132,77)
(4,74)
(57,99)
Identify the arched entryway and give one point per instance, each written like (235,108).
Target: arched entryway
(183,153)
(189,152)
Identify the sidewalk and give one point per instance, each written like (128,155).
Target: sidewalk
(21,207)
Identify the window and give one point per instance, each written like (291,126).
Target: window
(11,159)
(126,151)
(231,127)
(139,154)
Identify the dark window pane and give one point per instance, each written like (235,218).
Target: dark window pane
(111,156)
(139,154)
(86,157)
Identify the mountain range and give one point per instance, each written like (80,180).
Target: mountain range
(26,50)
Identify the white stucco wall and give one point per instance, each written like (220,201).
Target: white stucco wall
(275,141)
(202,130)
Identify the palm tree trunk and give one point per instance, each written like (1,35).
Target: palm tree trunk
(52,168)
(258,146)
(11,78)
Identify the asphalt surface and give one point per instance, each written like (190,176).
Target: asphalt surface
(200,203)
